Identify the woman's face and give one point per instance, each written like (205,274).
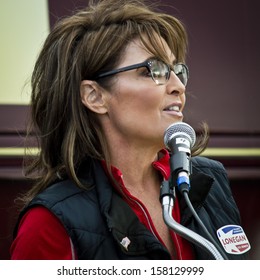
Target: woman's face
(139,110)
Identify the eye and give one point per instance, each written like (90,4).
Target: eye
(145,72)
(160,69)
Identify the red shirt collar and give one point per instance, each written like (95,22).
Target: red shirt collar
(162,165)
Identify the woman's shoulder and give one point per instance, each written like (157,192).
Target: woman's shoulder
(62,192)
(201,161)
(41,236)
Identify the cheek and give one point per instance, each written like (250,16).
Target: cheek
(138,97)
(134,105)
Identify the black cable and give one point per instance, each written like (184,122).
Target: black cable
(211,239)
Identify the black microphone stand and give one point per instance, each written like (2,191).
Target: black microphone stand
(167,197)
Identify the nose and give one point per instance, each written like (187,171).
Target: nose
(175,85)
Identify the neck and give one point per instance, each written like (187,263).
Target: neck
(133,156)
(136,167)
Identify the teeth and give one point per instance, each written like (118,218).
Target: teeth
(174,108)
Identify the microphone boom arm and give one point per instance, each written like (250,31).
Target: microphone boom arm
(167,200)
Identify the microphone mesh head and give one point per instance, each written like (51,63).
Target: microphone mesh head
(178,129)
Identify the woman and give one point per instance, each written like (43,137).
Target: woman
(108,82)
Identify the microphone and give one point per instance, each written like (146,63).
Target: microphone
(179,138)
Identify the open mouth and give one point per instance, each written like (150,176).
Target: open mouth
(174,108)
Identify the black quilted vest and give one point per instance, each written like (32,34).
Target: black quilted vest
(98,220)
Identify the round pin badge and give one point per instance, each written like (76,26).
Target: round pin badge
(233,239)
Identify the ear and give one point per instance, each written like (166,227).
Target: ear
(92,96)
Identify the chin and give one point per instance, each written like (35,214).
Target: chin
(172,122)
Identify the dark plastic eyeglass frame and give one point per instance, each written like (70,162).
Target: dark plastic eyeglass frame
(147,65)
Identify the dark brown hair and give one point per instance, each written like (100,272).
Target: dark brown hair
(79,47)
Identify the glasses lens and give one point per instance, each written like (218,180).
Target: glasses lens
(159,70)
(181,71)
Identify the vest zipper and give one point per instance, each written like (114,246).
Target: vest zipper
(146,216)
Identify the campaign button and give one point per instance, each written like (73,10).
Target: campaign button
(233,239)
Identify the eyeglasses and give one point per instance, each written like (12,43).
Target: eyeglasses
(160,72)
